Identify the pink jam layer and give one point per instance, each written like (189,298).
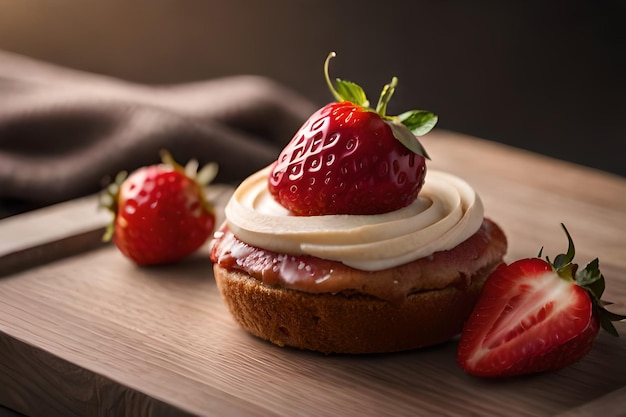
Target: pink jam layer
(310,274)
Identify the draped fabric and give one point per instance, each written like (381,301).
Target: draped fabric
(64,132)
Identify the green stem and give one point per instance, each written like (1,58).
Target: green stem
(330,84)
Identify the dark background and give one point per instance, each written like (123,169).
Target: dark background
(547,76)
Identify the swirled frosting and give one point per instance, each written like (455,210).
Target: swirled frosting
(447,212)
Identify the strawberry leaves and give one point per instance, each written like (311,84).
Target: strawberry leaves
(385,96)
(607,317)
(349,91)
(590,278)
(404,127)
(408,139)
(419,122)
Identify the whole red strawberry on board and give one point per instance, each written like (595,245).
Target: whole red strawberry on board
(535,315)
(349,158)
(161,213)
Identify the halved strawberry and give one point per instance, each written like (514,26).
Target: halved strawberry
(349,158)
(535,316)
(161,214)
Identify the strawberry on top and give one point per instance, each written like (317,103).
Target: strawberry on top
(349,158)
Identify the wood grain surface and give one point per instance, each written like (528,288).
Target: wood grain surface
(86,332)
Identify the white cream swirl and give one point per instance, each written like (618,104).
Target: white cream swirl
(447,212)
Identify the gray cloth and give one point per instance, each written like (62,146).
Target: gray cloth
(64,132)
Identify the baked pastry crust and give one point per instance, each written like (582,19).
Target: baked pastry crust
(354,322)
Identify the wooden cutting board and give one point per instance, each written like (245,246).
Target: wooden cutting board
(83,331)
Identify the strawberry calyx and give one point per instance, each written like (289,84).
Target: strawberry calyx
(108,201)
(203,177)
(109,198)
(405,127)
(590,278)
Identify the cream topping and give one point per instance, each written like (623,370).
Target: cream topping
(447,212)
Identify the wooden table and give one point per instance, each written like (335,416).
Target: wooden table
(85,332)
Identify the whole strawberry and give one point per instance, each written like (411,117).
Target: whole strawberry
(348,158)
(160,211)
(535,316)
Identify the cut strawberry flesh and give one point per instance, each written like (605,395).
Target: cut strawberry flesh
(526,313)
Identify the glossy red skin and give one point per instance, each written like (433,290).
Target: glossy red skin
(551,342)
(160,217)
(345,160)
